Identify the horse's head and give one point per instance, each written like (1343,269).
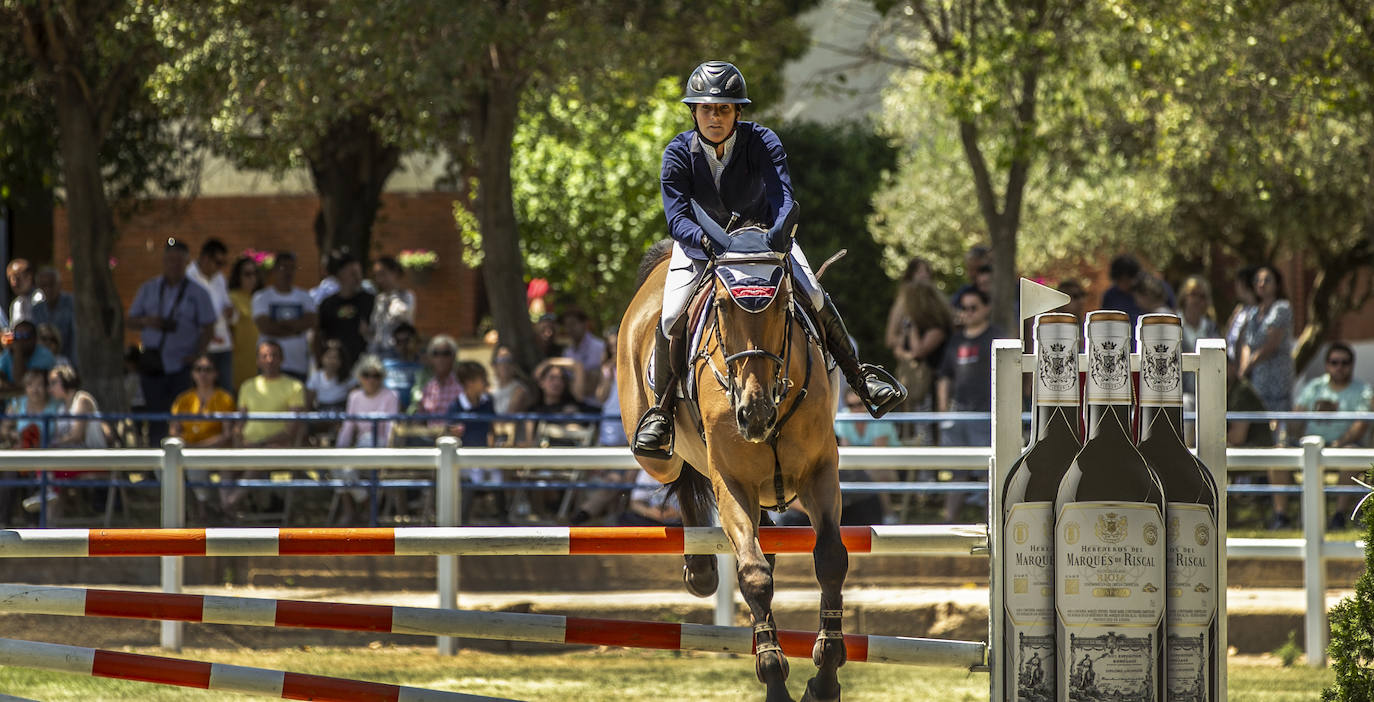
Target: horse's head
(752,295)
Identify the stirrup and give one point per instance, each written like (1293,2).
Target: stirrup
(867,370)
(656,452)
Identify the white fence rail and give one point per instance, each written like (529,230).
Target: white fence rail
(446,459)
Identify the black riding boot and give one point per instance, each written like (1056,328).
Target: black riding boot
(654,434)
(876,387)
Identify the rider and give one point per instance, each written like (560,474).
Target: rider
(734,170)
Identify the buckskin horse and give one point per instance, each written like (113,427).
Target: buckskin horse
(757,430)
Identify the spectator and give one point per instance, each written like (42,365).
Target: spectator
(207,271)
(345,314)
(650,505)
(1267,352)
(546,337)
(244,280)
(867,508)
(1078,299)
(1124,272)
(64,385)
(368,398)
(918,325)
(22,353)
(442,389)
(1149,295)
(205,397)
(1337,390)
(977,258)
(1241,397)
(270,391)
(133,389)
(1195,312)
(392,307)
(54,307)
(327,389)
(51,339)
(965,381)
(20,274)
(24,427)
(285,314)
(176,319)
(612,431)
(512,393)
(474,399)
(555,396)
(1243,312)
(403,363)
(587,349)
(333,262)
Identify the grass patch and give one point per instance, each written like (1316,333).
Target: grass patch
(609,676)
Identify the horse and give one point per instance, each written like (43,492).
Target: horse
(759,433)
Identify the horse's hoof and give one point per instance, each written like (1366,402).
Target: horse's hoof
(763,661)
(703,583)
(819,650)
(812,696)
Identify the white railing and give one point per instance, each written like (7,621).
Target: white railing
(172,460)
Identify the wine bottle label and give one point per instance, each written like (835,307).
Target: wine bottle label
(1191,570)
(1161,376)
(1109,598)
(1056,368)
(1029,573)
(1109,363)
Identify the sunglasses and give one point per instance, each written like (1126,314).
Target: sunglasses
(370,374)
(970,308)
(203,369)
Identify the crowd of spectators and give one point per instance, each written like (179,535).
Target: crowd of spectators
(250,350)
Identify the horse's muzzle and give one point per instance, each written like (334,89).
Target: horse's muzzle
(756,419)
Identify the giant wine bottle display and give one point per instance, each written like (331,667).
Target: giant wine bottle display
(1109,542)
(1028,512)
(1190,518)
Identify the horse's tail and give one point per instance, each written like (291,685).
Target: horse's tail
(693,492)
(661,249)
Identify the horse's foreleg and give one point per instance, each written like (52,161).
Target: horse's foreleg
(739,511)
(822,500)
(699,571)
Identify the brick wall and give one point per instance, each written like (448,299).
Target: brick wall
(447,301)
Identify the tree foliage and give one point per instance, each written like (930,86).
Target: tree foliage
(1352,633)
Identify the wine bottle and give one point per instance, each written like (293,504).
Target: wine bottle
(1109,541)
(1190,516)
(1028,511)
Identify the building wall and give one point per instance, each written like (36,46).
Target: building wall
(447,300)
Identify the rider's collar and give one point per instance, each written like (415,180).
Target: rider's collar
(709,149)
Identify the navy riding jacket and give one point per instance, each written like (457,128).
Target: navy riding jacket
(754,184)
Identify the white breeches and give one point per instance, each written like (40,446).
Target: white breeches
(684,270)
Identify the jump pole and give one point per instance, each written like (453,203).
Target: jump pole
(212,676)
(429,541)
(505,626)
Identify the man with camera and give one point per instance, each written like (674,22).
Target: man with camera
(175,319)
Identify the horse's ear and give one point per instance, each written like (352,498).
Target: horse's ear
(780,236)
(720,241)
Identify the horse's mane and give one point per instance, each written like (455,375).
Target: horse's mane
(661,250)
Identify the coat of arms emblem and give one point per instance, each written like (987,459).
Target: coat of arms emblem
(1159,368)
(1110,527)
(1058,366)
(1110,369)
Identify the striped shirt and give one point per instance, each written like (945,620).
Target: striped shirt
(717,164)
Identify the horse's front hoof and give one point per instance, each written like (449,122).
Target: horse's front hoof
(812,695)
(828,650)
(701,582)
(770,663)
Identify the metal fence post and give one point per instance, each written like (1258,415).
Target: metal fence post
(173,517)
(448,513)
(1313,561)
(1007,372)
(725,589)
(1211,448)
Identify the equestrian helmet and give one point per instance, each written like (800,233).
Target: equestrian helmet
(716,82)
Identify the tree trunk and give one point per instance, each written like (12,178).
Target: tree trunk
(1004,288)
(1333,294)
(503,269)
(90,235)
(350,167)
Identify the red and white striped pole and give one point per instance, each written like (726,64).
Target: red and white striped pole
(930,539)
(213,676)
(507,626)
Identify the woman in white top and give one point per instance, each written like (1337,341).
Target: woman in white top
(74,432)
